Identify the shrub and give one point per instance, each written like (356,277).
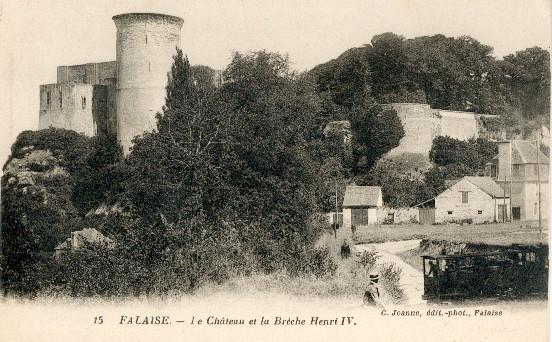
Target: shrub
(320,262)
(390,274)
(367,259)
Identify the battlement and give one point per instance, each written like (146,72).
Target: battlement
(130,17)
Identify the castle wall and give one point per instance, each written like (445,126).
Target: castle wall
(146,44)
(458,125)
(91,73)
(75,106)
(422,124)
(420,127)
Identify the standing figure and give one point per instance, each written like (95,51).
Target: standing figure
(371,295)
(345,250)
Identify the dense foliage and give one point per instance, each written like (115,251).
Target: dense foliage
(445,72)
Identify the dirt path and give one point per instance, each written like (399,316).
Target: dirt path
(412,280)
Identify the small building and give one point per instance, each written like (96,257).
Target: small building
(360,205)
(79,239)
(467,200)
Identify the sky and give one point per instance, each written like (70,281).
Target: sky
(38,35)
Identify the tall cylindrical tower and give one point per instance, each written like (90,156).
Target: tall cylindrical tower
(146,43)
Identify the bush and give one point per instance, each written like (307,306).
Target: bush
(390,274)
(320,263)
(367,259)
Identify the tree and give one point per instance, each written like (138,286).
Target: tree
(528,76)
(399,179)
(102,175)
(391,80)
(375,132)
(278,174)
(474,154)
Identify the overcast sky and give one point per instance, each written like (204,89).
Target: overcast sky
(38,35)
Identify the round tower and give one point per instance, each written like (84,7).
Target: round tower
(146,43)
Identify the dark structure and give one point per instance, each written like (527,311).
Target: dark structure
(517,272)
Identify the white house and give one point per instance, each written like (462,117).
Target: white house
(360,205)
(470,199)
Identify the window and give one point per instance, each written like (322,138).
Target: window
(48,98)
(494,169)
(449,212)
(515,170)
(83,102)
(60,100)
(479,212)
(464,196)
(146,38)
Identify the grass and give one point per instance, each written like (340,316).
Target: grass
(493,234)
(349,281)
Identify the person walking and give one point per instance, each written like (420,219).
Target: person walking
(345,250)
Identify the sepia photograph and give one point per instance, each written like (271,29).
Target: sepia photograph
(274,171)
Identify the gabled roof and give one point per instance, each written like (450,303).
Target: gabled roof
(361,196)
(525,152)
(488,185)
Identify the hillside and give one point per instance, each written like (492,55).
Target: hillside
(446,73)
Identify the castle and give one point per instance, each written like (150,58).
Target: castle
(119,97)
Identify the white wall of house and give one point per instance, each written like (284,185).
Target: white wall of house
(372,216)
(347,217)
(480,206)
(530,200)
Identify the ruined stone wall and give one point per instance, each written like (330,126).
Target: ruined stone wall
(398,215)
(78,107)
(146,44)
(420,127)
(458,125)
(422,124)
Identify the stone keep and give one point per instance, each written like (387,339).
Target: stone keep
(146,43)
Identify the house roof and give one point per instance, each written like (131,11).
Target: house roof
(488,185)
(525,152)
(361,196)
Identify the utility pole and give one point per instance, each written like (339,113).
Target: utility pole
(504,201)
(511,211)
(336,213)
(538,178)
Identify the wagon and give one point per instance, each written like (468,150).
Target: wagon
(519,271)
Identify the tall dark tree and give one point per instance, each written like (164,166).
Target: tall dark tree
(528,76)
(375,132)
